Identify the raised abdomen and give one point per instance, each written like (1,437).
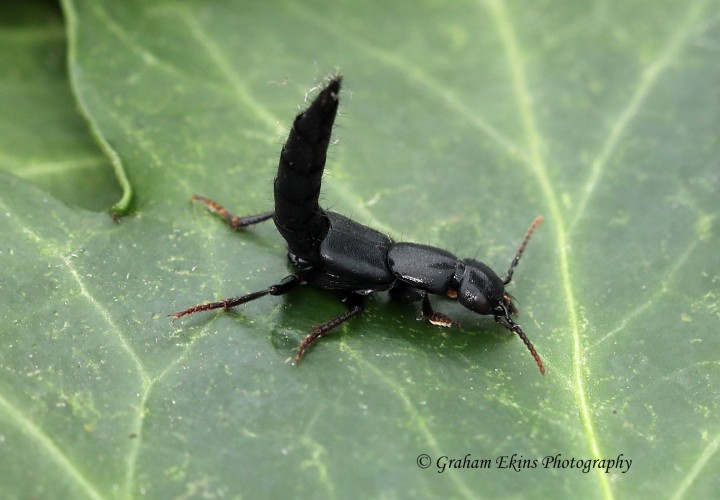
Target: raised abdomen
(298,215)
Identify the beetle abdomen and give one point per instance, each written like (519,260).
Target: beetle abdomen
(298,215)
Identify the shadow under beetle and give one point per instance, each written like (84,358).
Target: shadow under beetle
(336,253)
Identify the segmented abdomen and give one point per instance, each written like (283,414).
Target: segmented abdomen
(298,215)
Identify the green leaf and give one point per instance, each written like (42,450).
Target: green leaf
(459,123)
(42,136)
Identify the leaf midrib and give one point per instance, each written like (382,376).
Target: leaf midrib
(648,79)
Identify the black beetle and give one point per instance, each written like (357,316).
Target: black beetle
(336,253)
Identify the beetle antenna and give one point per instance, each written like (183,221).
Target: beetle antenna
(509,274)
(508,323)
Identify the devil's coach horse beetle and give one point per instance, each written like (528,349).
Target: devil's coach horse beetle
(336,253)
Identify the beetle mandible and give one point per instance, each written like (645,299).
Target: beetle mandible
(334,252)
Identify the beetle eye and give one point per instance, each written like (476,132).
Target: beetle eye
(482,305)
(473,292)
(475,301)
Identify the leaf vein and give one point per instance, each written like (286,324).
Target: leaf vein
(647,81)
(411,409)
(105,314)
(660,289)
(224,65)
(51,448)
(415,74)
(705,455)
(539,168)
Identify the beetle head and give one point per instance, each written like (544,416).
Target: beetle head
(483,291)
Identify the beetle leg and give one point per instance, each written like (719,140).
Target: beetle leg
(436,318)
(234,221)
(355,307)
(287,284)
